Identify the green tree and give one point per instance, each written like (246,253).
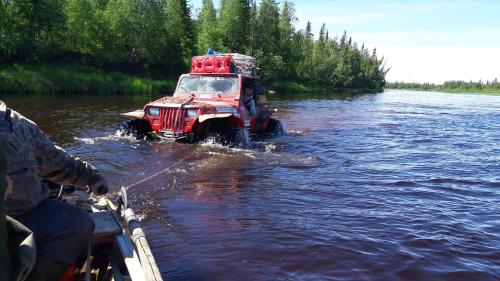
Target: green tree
(181,30)
(268,27)
(120,16)
(207,36)
(32,29)
(286,30)
(6,42)
(305,65)
(322,59)
(252,26)
(88,30)
(138,34)
(233,25)
(153,44)
(268,48)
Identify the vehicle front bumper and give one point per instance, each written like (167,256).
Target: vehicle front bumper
(171,135)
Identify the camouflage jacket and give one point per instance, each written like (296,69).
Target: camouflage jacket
(17,243)
(32,156)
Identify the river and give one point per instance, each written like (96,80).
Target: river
(399,185)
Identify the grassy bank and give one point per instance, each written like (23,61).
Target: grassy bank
(77,79)
(457,86)
(300,88)
(470,91)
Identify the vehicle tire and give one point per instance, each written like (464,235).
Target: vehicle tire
(240,138)
(137,128)
(275,127)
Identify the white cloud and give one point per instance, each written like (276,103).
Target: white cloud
(436,56)
(438,63)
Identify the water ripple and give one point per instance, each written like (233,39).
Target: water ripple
(393,186)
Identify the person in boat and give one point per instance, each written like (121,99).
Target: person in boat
(17,244)
(62,231)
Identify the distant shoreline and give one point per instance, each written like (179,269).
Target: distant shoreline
(459,87)
(450,91)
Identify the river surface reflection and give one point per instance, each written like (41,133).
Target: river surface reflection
(394,186)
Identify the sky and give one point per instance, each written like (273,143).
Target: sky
(422,41)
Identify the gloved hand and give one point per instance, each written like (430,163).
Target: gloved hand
(99,187)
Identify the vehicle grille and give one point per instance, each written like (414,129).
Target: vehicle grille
(172,119)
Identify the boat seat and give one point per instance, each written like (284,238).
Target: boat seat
(105,224)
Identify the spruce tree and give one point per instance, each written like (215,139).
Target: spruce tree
(308,33)
(233,25)
(286,23)
(268,27)
(207,28)
(286,33)
(180,28)
(305,66)
(322,32)
(268,43)
(252,25)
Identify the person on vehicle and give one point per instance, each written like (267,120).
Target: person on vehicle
(17,244)
(62,231)
(249,101)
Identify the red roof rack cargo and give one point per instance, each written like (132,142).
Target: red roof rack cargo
(224,64)
(212,64)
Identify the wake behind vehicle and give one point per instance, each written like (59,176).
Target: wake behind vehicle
(222,98)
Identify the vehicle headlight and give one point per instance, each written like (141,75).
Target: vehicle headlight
(154,111)
(191,113)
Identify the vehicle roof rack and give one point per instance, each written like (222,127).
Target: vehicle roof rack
(245,65)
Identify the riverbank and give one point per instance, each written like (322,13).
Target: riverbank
(40,79)
(452,90)
(457,86)
(300,88)
(470,91)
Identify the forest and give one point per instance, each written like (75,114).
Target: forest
(456,86)
(107,46)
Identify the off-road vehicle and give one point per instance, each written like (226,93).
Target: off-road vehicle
(214,100)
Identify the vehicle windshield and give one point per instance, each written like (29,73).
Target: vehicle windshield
(195,84)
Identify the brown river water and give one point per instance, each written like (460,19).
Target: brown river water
(394,186)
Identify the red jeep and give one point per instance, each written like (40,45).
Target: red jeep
(222,98)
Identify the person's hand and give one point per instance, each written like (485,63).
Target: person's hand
(99,187)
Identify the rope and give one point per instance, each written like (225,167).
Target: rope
(158,173)
(176,163)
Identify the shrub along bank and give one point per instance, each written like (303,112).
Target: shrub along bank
(78,79)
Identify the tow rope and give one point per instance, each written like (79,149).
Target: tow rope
(158,173)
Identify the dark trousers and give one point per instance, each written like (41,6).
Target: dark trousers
(62,234)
